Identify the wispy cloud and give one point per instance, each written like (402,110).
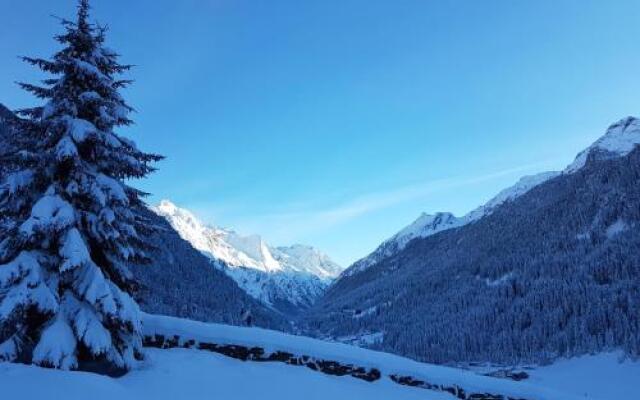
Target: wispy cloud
(298,221)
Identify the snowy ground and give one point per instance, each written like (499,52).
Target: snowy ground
(190,374)
(388,363)
(197,374)
(601,376)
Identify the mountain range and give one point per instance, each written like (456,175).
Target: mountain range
(181,282)
(619,140)
(288,279)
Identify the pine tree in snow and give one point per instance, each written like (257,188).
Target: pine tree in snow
(68,222)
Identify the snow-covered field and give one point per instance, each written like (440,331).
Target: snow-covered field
(197,374)
(191,375)
(603,376)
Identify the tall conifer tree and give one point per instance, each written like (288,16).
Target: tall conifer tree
(68,220)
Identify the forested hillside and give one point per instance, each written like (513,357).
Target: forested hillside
(553,272)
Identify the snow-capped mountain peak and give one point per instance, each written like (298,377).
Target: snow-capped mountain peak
(296,274)
(308,259)
(254,248)
(183,221)
(222,244)
(427,224)
(619,140)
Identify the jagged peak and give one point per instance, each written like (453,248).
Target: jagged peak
(295,275)
(623,125)
(250,251)
(310,258)
(167,206)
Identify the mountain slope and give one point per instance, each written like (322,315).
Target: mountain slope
(427,224)
(288,279)
(554,271)
(619,140)
(179,281)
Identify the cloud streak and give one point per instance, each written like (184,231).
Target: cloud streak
(290,226)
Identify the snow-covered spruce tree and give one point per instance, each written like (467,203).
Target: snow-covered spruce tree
(68,222)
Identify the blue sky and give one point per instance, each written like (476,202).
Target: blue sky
(336,123)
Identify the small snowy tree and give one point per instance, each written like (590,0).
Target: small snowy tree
(68,222)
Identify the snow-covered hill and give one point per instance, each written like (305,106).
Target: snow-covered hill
(286,278)
(210,373)
(618,141)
